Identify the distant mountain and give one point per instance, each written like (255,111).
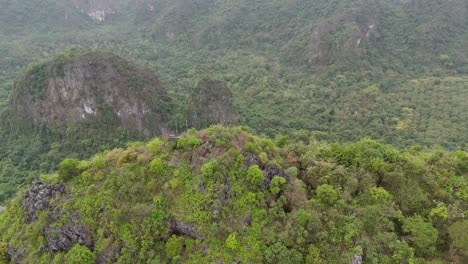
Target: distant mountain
(296,65)
(96,87)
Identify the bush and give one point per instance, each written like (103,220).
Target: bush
(231,242)
(277,185)
(326,194)
(292,172)
(157,166)
(174,246)
(188,142)
(254,175)
(423,236)
(80,255)
(4,257)
(376,195)
(154,146)
(252,148)
(68,169)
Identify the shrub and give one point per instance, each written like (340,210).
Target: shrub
(326,194)
(423,236)
(4,257)
(157,166)
(154,146)
(277,185)
(80,255)
(292,172)
(378,195)
(174,246)
(251,147)
(263,157)
(68,169)
(254,175)
(231,242)
(458,233)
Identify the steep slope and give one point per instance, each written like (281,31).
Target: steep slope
(224,195)
(211,103)
(96,87)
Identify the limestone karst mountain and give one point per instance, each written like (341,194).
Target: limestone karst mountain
(93,87)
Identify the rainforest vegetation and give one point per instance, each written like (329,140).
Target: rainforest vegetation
(344,140)
(225,195)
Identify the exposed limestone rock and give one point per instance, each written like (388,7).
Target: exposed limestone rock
(271,171)
(99,88)
(185,229)
(357,259)
(16,254)
(38,197)
(250,160)
(62,238)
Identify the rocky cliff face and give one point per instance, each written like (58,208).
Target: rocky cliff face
(96,87)
(212,103)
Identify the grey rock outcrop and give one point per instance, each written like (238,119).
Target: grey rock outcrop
(185,229)
(38,197)
(357,259)
(271,171)
(16,254)
(62,238)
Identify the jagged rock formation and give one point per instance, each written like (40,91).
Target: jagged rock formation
(38,197)
(62,238)
(212,103)
(184,229)
(95,87)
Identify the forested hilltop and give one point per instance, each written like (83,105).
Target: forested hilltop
(390,70)
(224,195)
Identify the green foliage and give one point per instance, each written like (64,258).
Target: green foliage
(458,235)
(157,166)
(208,205)
(277,185)
(80,255)
(188,143)
(174,246)
(4,256)
(292,172)
(254,175)
(68,169)
(377,195)
(252,148)
(154,146)
(313,256)
(231,242)
(423,236)
(439,213)
(327,194)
